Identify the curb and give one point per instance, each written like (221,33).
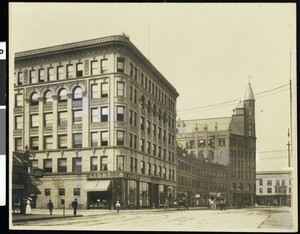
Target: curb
(44,218)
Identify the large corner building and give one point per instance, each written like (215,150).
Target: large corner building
(99,119)
(228,141)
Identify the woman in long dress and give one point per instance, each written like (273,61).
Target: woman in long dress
(28,207)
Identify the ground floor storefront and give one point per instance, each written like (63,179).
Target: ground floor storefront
(101,190)
(273,200)
(241,198)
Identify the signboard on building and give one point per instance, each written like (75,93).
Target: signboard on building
(38,173)
(110,175)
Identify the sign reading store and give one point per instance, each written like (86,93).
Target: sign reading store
(110,175)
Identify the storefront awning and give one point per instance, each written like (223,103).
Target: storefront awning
(97,185)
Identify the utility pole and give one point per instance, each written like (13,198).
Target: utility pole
(289,151)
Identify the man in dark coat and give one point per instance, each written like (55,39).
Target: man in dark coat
(50,206)
(75,205)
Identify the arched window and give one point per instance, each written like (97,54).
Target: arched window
(34,99)
(63,95)
(48,96)
(77,93)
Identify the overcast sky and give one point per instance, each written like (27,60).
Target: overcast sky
(207,51)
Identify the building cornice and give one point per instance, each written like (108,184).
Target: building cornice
(110,40)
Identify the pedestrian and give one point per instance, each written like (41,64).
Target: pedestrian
(28,206)
(75,205)
(166,206)
(50,206)
(118,206)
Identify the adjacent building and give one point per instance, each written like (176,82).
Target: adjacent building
(274,187)
(99,119)
(199,179)
(228,141)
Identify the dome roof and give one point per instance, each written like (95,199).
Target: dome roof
(249,93)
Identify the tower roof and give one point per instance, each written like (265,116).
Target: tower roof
(239,105)
(249,93)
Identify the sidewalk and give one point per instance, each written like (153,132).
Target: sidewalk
(43,214)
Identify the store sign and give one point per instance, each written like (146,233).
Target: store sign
(38,173)
(109,175)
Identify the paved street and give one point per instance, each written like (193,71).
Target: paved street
(247,219)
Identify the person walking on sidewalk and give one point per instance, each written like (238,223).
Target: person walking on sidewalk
(50,206)
(75,205)
(118,206)
(166,206)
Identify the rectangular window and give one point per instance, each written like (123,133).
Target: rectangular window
(19,122)
(77,116)
(222,142)
(62,118)
(62,141)
(120,113)
(148,147)
(76,192)
(148,168)
(61,165)
(94,164)
(94,67)
(120,65)
(77,140)
(104,163)
(48,165)
(120,162)
(269,182)
(148,127)
(34,122)
(120,88)
(142,167)
(104,114)
(41,75)
(154,130)
(79,69)
(18,100)
(261,182)
(170,174)
(47,192)
(94,91)
(61,192)
(154,167)
(48,119)
(48,142)
(34,143)
(95,115)
(120,137)
(32,77)
(142,123)
(269,190)
(20,78)
(283,182)
(164,173)
(60,72)
(104,90)
(70,71)
(154,149)
(104,138)
(94,139)
(159,171)
(142,145)
(51,74)
(159,133)
(76,164)
(18,144)
(277,182)
(104,66)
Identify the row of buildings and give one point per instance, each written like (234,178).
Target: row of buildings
(100,120)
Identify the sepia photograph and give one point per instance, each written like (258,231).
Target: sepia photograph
(153,117)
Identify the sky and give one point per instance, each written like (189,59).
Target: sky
(208,52)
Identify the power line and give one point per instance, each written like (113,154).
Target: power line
(220,104)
